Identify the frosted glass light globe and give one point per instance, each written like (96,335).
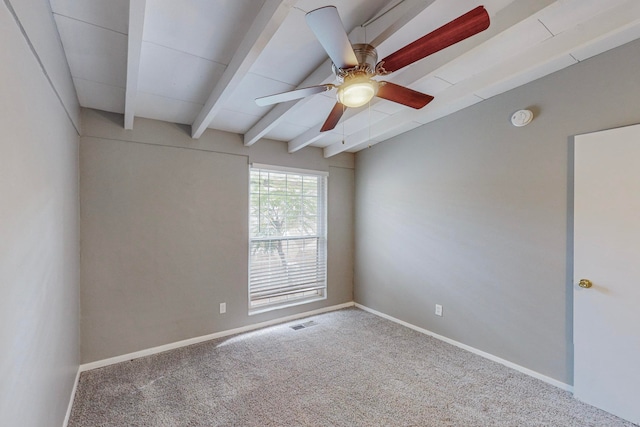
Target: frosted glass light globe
(357,91)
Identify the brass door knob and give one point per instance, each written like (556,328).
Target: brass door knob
(585,283)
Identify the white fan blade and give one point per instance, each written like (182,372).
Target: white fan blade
(294,94)
(329,30)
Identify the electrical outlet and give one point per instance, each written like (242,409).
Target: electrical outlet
(438,310)
(223,307)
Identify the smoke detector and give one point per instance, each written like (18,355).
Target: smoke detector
(521,118)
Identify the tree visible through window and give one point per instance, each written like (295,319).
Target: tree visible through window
(287,228)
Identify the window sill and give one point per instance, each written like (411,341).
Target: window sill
(266,308)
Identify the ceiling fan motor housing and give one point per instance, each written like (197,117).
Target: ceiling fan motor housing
(367,59)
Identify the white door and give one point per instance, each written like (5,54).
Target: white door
(606,316)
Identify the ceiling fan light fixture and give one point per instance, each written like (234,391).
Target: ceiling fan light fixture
(357,91)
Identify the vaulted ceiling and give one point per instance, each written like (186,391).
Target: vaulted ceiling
(203,62)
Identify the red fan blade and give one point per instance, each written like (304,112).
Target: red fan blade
(329,30)
(403,95)
(291,95)
(464,26)
(334,117)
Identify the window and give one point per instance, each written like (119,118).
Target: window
(288,237)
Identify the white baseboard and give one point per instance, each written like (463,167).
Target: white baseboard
(196,340)
(73,396)
(489,356)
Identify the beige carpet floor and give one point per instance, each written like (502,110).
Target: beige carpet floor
(348,368)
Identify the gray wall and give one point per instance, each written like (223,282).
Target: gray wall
(164,222)
(475,214)
(39,235)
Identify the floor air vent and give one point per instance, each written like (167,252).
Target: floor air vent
(303,325)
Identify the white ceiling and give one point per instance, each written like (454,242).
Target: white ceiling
(203,62)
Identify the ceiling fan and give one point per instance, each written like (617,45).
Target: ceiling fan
(356,65)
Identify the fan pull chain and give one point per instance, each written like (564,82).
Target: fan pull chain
(369,123)
(343,108)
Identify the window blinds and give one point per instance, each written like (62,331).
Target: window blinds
(288,237)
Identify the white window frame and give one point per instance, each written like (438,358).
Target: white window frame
(319,287)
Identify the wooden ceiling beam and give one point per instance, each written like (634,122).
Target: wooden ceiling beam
(264,26)
(134,48)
